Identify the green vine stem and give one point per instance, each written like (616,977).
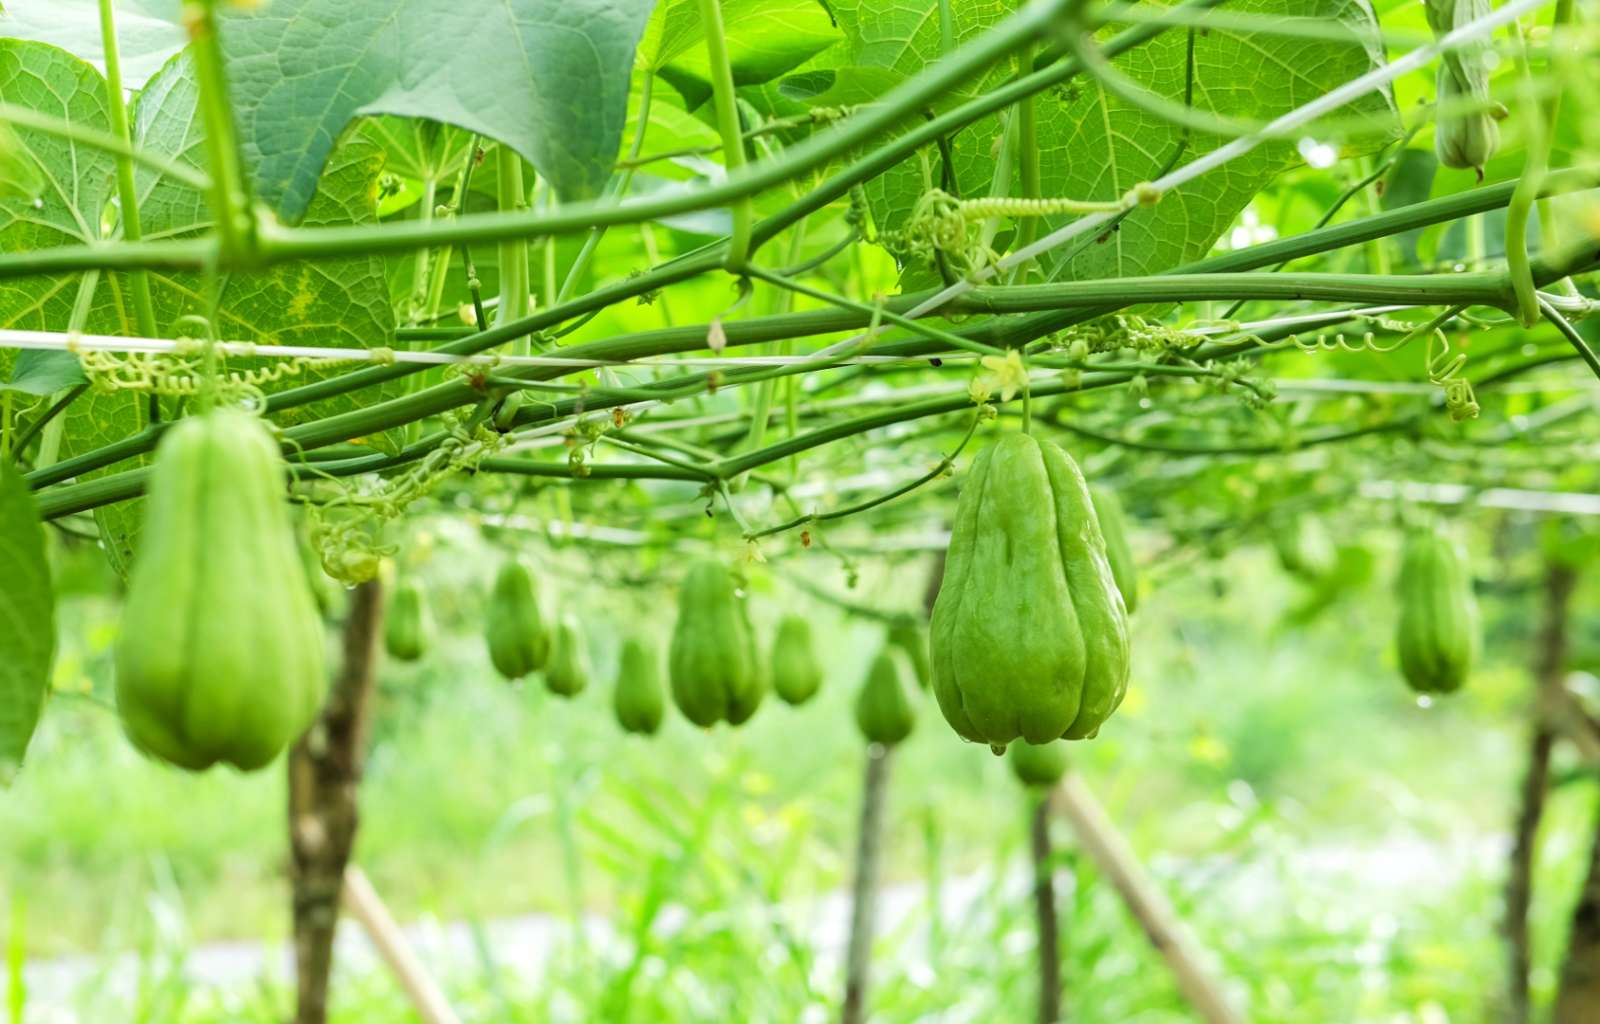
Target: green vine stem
(229,193)
(728,127)
(1540,121)
(127,194)
(27,117)
(687,338)
(1027,154)
(938,471)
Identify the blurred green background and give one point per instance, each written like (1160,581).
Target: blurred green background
(1335,842)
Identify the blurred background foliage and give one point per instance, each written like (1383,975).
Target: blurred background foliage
(1338,843)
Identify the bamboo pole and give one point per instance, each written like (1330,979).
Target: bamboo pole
(363,903)
(1149,905)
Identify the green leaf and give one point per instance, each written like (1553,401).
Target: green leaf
(149,32)
(27,621)
(1095,146)
(20,175)
(839,87)
(341,303)
(766,39)
(69,210)
(547,77)
(40,372)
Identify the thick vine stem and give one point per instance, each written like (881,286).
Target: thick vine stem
(127,193)
(230,191)
(1541,128)
(726,103)
(1029,326)
(59,501)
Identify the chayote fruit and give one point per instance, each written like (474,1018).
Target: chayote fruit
(714,676)
(1437,633)
(568,670)
(883,714)
(1040,764)
(1463,138)
(408,627)
(1029,635)
(220,654)
(638,700)
(1304,546)
(514,626)
(796,676)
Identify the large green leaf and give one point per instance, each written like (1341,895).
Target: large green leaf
(1096,146)
(547,77)
(27,620)
(149,32)
(70,209)
(334,303)
(342,302)
(765,39)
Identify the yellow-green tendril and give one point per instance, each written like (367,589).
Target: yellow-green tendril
(941,223)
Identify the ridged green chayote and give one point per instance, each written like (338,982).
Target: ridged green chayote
(1114,528)
(1029,635)
(638,701)
(796,676)
(714,676)
(220,654)
(408,624)
(1304,546)
(514,626)
(883,713)
(1437,633)
(1041,764)
(1463,138)
(567,672)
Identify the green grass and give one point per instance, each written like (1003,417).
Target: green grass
(1254,766)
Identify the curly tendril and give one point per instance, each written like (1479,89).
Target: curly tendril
(346,528)
(181,372)
(1444,371)
(939,221)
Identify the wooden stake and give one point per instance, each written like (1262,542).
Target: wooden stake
(865,896)
(1550,655)
(1116,861)
(324,773)
(1044,907)
(364,905)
